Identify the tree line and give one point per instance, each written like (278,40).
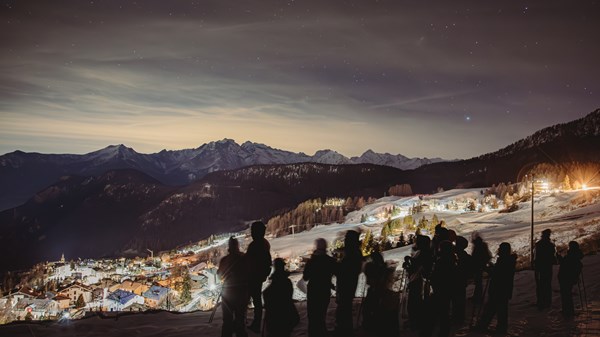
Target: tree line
(314,211)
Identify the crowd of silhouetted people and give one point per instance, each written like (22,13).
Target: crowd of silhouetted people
(434,283)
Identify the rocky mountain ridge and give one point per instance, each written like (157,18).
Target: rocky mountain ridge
(23,174)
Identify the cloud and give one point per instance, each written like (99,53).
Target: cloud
(351,75)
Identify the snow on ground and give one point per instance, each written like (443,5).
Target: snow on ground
(570,215)
(524,318)
(559,212)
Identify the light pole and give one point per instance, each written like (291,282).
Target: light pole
(532,202)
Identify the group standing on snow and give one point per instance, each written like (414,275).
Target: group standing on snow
(437,275)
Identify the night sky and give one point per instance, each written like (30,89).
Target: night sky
(452,79)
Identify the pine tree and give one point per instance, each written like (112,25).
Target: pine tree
(567,183)
(367,244)
(423,223)
(80,303)
(349,205)
(508,200)
(386,231)
(434,220)
(360,203)
(186,288)
(494,202)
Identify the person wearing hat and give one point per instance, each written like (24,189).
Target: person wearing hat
(258,257)
(234,274)
(281,314)
(544,259)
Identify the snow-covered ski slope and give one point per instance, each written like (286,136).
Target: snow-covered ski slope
(570,215)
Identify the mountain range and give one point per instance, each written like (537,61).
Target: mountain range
(560,145)
(126,210)
(23,174)
(106,211)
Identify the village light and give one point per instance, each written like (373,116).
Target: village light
(584,187)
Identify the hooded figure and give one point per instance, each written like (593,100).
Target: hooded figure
(280,312)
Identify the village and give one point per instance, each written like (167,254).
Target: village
(181,280)
(185,279)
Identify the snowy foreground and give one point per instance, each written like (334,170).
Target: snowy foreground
(572,215)
(524,318)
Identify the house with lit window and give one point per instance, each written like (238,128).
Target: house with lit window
(63,301)
(120,300)
(155,296)
(23,293)
(137,288)
(40,309)
(75,290)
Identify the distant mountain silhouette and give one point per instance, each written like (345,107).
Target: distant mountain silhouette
(128,211)
(23,174)
(576,141)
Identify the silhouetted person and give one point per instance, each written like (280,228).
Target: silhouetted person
(381,304)
(481,257)
(464,270)
(419,270)
(501,289)
(347,281)
(544,259)
(388,319)
(234,273)
(318,272)
(443,277)
(258,257)
(375,272)
(441,234)
(280,313)
(568,275)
